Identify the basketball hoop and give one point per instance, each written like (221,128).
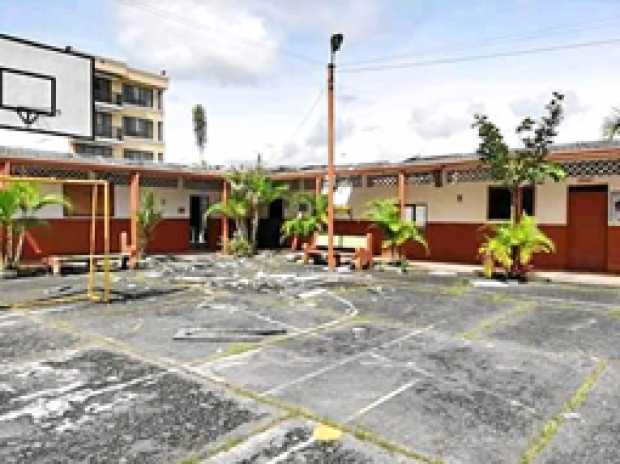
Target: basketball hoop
(28,117)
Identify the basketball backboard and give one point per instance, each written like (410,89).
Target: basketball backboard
(45,89)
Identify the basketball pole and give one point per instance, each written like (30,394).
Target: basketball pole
(106,242)
(93,241)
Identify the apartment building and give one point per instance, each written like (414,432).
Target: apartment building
(129,114)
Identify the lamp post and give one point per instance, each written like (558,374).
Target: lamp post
(336,43)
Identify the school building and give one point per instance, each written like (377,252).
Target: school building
(451,197)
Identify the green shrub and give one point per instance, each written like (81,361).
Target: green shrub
(239,246)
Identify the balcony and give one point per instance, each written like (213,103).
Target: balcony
(109,135)
(108,101)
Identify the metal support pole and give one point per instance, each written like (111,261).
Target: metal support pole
(331,261)
(106,242)
(93,242)
(134,207)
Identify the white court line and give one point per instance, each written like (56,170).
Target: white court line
(342,362)
(381,400)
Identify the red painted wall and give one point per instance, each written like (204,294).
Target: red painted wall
(72,236)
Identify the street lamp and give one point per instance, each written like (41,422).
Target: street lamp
(336,43)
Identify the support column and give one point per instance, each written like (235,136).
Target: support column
(401,194)
(5,170)
(224,219)
(317,186)
(134,207)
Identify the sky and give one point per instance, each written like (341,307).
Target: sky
(410,76)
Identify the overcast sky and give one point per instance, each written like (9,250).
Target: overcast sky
(259,68)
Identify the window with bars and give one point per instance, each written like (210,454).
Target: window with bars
(416,213)
(137,127)
(137,95)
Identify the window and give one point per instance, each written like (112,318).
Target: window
(103,125)
(499,203)
(80,197)
(160,157)
(160,131)
(93,150)
(160,99)
(138,155)
(416,213)
(136,95)
(136,127)
(103,90)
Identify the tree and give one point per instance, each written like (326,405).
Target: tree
(312,219)
(148,218)
(19,204)
(522,167)
(250,190)
(396,231)
(199,119)
(611,124)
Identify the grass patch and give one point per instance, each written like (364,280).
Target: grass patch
(190,460)
(615,313)
(459,288)
(551,427)
(490,323)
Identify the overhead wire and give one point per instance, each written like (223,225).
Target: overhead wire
(489,56)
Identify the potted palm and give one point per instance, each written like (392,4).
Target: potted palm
(311,219)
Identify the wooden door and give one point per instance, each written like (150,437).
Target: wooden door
(587,228)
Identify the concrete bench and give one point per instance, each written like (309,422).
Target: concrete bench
(357,248)
(57,262)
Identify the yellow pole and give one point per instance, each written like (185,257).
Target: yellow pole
(106,242)
(93,238)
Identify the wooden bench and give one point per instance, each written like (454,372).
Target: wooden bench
(57,262)
(356,248)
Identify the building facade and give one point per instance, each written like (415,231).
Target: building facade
(452,198)
(129,114)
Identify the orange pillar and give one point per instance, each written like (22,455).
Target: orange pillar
(224,219)
(317,186)
(134,207)
(5,170)
(401,194)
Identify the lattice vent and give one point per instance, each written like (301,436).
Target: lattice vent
(160,182)
(469,175)
(419,178)
(592,168)
(41,171)
(382,181)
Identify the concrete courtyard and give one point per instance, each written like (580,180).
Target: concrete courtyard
(415,367)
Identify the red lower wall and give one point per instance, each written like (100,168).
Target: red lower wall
(72,236)
(449,242)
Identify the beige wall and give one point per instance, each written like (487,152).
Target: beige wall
(443,204)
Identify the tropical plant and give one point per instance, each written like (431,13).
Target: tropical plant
(527,166)
(239,246)
(199,121)
(611,124)
(148,218)
(312,218)
(250,189)
(19,204)
(524,236)
(396,230)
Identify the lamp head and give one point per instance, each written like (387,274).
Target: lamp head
(336,42)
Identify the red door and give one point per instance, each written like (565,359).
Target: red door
(587,228)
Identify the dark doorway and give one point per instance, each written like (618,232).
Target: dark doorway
(198,206)
(587,228)
(269,228)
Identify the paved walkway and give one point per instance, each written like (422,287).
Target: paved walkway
(609,280)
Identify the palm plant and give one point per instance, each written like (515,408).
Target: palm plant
(313,219)
(396,231)
(237,209)
(261,191)
(148,218)
(611,124)
(19,204)
(524,236)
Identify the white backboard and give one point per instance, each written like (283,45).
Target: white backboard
(54,84)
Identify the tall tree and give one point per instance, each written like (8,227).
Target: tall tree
(199,120)
(527,166)
(524,166)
